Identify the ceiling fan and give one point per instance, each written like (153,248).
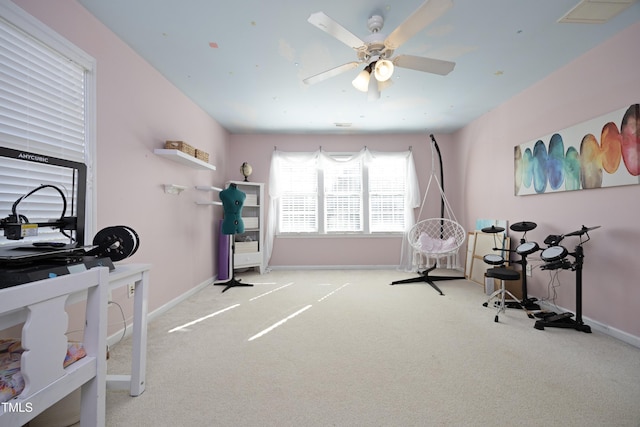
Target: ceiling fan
(376,50)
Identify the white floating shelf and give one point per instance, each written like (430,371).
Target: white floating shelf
(183,158)
(207,188)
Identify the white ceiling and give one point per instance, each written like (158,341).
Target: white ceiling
(252,81)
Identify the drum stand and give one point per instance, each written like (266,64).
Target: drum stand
(564,320)
(524,226)
(526,303)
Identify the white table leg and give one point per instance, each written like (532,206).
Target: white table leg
(139,356)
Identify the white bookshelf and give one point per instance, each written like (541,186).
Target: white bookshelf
(249,250)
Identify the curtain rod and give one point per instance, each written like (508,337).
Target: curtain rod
(275,147)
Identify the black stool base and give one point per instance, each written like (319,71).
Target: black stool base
(425,278)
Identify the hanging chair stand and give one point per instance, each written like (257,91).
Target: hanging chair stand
(435,237)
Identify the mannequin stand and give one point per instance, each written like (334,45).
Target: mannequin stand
(233,282)
(232,202)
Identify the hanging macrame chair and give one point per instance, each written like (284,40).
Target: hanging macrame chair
(434,238)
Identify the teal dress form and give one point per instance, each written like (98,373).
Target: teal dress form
(232,202)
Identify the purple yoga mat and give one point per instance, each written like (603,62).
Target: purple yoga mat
(223,255)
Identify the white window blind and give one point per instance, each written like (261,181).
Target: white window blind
(43,111)
(343,195)
(351,193)
(43,93)
(299,203)
(387,194)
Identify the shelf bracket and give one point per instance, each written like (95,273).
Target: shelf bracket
(174,188)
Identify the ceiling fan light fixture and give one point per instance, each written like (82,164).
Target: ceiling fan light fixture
(361,82)
(383,85)
(373,92)
(383,70)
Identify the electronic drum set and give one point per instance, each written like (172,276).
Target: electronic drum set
(554,256)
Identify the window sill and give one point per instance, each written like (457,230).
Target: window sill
(338,236)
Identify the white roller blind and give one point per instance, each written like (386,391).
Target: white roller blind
(43,111)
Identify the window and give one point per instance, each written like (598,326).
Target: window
(357,193)
(47,88)
(387,194)
(343,200)
(299,202)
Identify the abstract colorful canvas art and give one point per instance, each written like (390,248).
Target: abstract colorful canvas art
(602,152)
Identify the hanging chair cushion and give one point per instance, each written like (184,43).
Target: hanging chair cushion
(436,236)
(429,244)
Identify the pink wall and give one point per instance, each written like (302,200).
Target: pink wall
(137,110)
(603,80)
(333,251)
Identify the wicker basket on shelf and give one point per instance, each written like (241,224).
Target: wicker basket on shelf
(180,146)
(202,155)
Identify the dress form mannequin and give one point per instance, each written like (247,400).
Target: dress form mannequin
(232,202)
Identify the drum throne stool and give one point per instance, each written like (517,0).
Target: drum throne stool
(501,302)
(501,272)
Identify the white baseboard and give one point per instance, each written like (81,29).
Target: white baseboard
(118,336)
(332,267)
(597,326)
(352,267)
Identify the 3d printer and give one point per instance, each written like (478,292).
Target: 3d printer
(34,247)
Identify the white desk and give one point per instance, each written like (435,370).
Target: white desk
(123,275)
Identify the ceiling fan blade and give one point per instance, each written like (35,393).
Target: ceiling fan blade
(331,73)
(423,16)
(328,25)
(428,65)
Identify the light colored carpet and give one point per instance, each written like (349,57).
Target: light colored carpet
(360,352)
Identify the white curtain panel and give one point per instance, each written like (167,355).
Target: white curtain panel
(317,159)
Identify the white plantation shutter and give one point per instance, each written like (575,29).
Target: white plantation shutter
(43,111)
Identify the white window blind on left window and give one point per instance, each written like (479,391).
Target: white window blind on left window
(43,111)
(43,92)
(299,203)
